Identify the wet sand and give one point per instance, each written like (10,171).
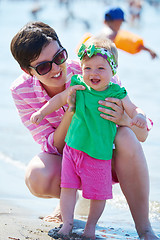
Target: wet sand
(17,223)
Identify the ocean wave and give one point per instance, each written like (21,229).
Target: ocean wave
(154,206)
(120,202)
(154,210)
(9,160)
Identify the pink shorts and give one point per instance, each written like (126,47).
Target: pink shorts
(80,171)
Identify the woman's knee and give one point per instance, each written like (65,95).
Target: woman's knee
(128,157)
(125,138)
(43,176)
(127,144)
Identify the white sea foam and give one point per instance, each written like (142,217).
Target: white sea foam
(7,159)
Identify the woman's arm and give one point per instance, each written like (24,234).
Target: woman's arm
(119,116)
(42,133)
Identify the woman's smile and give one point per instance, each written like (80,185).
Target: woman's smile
(57,75)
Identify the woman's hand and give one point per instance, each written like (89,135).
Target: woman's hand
(116,114)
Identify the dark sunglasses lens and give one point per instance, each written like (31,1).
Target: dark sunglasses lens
(61,57)
(44,68)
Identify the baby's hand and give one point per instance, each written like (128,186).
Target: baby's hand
(139,120)
(36,117)
(71,99)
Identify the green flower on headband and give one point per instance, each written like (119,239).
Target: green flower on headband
(92,50)
(81,51)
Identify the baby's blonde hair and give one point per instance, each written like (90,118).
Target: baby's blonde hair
(103,42)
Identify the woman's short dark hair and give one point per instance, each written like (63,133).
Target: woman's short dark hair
(28,43)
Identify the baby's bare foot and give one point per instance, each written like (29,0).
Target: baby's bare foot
(66,229)
(89,232)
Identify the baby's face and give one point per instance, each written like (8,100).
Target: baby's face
(97,72)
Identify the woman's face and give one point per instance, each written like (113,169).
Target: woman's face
(53,81)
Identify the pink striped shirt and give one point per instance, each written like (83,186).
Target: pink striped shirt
(29,96)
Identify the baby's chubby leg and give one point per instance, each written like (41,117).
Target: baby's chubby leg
(67,204)
(96,209)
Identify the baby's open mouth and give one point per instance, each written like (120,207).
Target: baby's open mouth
(95,81)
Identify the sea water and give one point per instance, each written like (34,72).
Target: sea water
(138,73)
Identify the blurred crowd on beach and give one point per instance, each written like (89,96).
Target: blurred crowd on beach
(135,8)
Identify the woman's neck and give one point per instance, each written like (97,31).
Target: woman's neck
(52,91)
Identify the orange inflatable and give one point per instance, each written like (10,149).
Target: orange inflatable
(128,41)
(125,40)
(85,37)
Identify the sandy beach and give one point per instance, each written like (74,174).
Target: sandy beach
(17,223)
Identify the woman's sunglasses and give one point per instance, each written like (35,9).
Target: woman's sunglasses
(44,67)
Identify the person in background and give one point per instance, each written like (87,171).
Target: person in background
(135,10)
(47,72)
(36,8)
(113,20)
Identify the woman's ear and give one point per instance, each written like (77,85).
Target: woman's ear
(26,71)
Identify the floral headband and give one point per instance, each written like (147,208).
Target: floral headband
(92,50)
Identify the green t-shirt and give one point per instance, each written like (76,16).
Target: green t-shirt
(88,131)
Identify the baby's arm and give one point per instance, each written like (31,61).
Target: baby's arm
(53,104)
(138,117)
(139,120)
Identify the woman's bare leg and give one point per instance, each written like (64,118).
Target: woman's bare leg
(96,209)
(43,175)
(43,179)
(132,172)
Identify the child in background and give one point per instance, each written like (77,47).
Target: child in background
(113,20)
(88,151)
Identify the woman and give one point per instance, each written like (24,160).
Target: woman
(38,51)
